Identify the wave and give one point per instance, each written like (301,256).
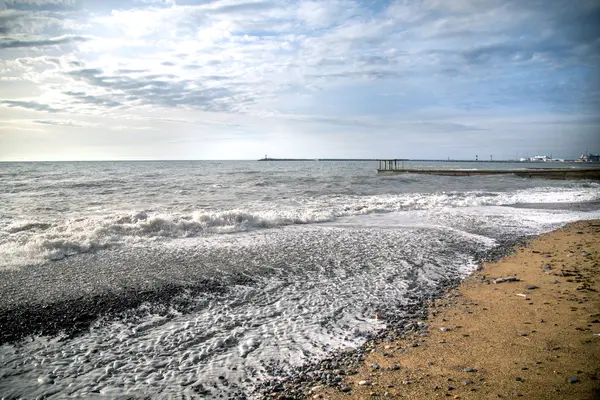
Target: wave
(32,242)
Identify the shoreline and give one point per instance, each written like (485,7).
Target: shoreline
(338,370)
(66,299)
(536,335)
(330,372)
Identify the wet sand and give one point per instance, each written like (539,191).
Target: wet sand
(535,335)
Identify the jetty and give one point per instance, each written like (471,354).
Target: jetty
(397,166)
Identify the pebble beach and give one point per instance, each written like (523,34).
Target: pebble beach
(525,326)
(259,280)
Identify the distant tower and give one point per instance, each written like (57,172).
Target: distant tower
(491,159)
(476,158)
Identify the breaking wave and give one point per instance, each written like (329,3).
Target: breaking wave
(34,242)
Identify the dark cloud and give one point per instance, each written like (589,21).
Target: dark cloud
(30,105)
(375,74)
(155,90)
(43,5)
(7,43)
(83,98)
(375,60)
(168,64)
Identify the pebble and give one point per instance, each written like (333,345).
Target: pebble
(506,279)
(394,367)
(469,370)
(573,380)
(519,379)
(364,383)
(345,389)
(44,380)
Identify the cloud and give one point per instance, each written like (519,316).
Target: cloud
(160,90)
(7,43)
(328,64)
(30,105)
(157,2)
(61,122)
(42,5)
(83,98)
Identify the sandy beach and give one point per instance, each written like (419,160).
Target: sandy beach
(526,326)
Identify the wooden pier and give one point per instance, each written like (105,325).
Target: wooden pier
(397,166)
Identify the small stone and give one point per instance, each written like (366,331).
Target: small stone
(364,383)
(533,287)
(469,370)
(506,279)
(444,329)
(573,380)
(450,387)
(345,389)
(519,379)
(316,388)
(468,382)
(394,367)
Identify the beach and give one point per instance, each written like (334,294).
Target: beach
(525,326)
(246,280)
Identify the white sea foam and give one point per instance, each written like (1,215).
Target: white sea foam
(32,242)
(322,294)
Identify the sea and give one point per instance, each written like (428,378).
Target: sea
(266,263)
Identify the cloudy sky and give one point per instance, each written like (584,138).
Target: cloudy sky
(238,79)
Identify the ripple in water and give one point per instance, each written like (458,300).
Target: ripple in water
(313,290)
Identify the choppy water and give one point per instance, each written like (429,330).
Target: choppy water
(306,254)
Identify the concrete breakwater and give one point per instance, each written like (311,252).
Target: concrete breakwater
(544,173)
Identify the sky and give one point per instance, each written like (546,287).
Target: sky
(238,79)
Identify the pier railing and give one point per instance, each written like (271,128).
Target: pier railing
(391,165)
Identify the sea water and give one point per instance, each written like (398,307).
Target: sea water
(301,256)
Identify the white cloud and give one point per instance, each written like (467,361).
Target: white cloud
(325,65)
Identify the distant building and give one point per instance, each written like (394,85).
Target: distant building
(541,159)
(588,157)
